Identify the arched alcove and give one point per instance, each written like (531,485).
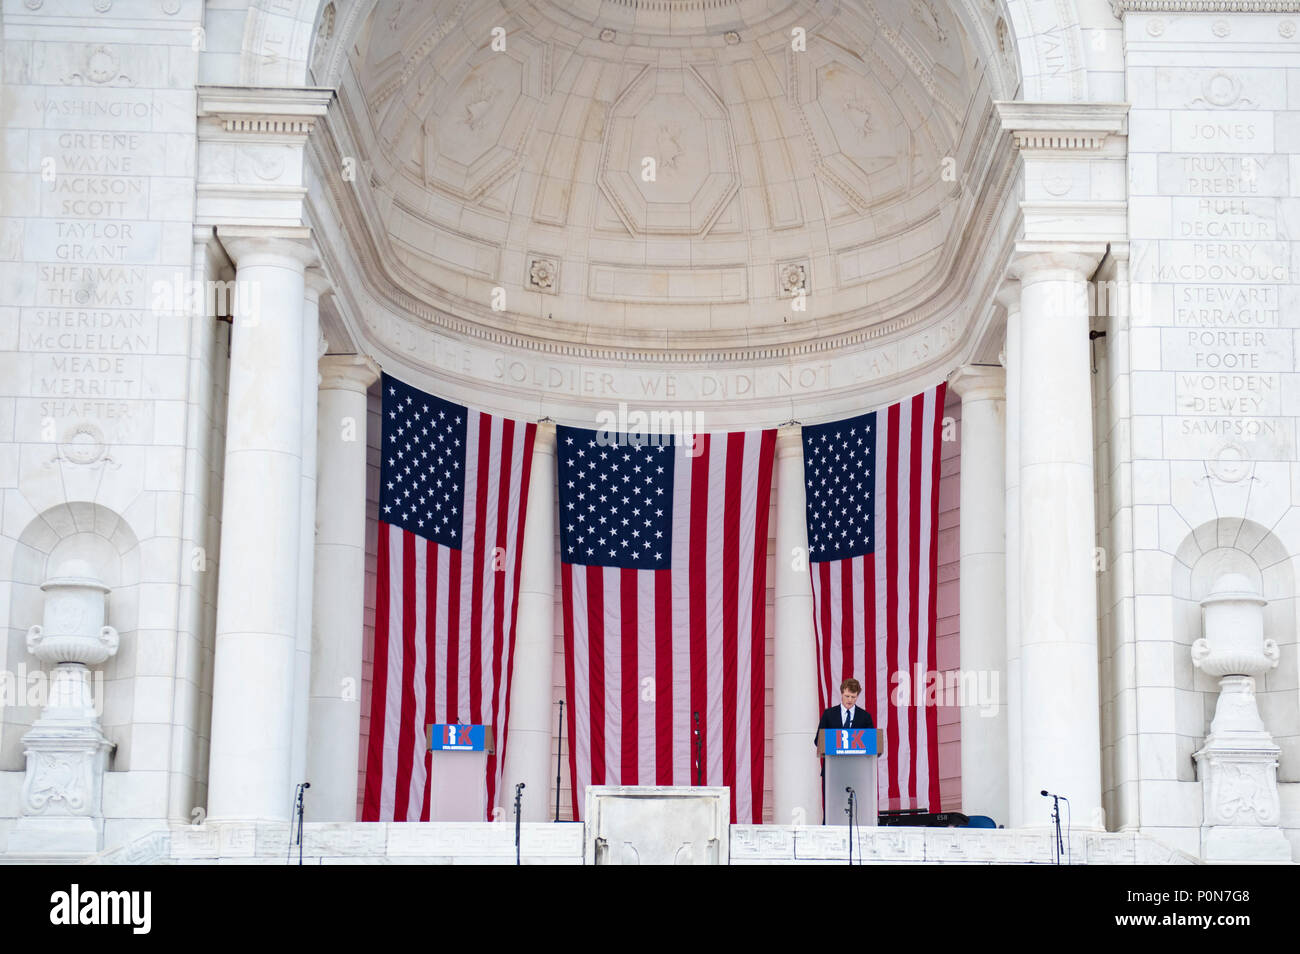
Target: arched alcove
(102,538)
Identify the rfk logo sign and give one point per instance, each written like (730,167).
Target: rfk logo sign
(851,740)
(456,735)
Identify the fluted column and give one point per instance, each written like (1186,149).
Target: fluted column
(1060,737)
(528,759)
(796,788)
(315,282)
(257,593)
(983,647)
(1009,298)
(339,588)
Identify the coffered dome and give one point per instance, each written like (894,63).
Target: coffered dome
(673,173)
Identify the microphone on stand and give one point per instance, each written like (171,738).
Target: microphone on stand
(849,811)
(1056,818)
(519,799)
(297,810)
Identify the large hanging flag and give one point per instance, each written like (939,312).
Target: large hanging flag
(872,486)
(663,547)
(453,491)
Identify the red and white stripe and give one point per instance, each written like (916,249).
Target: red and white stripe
(647,649)
(445,625)
(875,615)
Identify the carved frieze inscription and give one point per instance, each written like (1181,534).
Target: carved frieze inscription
(88,319)
(1223,263)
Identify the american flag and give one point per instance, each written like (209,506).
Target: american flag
(664,581)
(453,490)
(872,485)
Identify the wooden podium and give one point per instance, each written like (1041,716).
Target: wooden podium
(458,771)
(850,756)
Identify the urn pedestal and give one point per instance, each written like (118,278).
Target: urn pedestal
(1237,764)
(67,753)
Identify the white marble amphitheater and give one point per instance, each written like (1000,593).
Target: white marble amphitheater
(1077,213)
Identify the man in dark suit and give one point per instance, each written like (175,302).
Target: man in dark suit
(848,714)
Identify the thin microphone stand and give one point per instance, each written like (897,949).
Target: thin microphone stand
(559,751)
(519,798)
(1056,822)
(849,811)
(297,811)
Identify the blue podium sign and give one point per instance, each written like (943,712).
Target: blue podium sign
(850,741)
(446,737)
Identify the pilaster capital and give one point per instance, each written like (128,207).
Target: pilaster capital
(347,372)
(979,382)
(789,440)
(1038,128)
(315,283)
(268,113)
(1055,261)
(288,247)
(544,441)
(1008,294)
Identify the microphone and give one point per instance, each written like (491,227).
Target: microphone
(306,784)
(1043,792)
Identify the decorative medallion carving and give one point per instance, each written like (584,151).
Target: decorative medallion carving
(792,278)
(83,444)
(100,68)
(1222,89)
(57,777)
(544,274)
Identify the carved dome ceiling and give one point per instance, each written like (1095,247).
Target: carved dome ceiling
(672,172)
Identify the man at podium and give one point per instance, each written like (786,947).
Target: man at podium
(848,714)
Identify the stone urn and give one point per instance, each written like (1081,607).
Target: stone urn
(67,753)
(1237,764)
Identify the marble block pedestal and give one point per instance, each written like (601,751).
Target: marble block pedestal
(657,825)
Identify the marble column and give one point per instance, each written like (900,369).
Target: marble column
(796,787)
(1008,297)
(339,589)
(983,650)
(257,593)
(1060,736)
(532,713)
(315,282)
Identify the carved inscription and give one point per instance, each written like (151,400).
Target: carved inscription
(89,326)
(1226,261)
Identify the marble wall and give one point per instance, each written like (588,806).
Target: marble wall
(111,386)
(1208,376)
